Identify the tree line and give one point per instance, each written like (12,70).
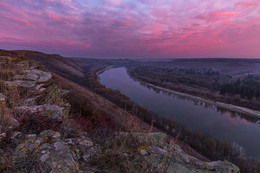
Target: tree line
(247,88)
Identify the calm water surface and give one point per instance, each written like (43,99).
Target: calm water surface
(226,126)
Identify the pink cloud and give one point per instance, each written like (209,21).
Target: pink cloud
(223,13)
(137,28)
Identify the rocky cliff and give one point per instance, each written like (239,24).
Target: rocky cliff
(38,135)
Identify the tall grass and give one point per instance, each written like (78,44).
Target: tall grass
(121,153)
(8,70)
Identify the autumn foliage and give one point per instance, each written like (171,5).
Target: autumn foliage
(35,122)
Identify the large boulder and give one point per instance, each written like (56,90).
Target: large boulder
(47,151)
(83,147)
(162,156)
(36,75)
(53,112)
(32,78)
(22,83)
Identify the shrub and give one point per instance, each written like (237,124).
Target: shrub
(96,126)
(7,74)
(35,122)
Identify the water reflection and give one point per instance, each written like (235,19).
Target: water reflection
(202,103)
(192,114)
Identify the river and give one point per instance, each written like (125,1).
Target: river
(194,115)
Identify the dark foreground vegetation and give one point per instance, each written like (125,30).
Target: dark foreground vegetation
(210,148)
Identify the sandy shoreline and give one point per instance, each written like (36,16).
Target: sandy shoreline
(219,104)
(226,106)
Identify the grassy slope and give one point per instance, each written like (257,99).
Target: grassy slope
(97,102)
(68,75)
(112,111)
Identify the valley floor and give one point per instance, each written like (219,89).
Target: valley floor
(231,107)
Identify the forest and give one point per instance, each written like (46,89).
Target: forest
(247,88)
(205,80)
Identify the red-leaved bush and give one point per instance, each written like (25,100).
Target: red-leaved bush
(94,122)
(96,125)
(35,122)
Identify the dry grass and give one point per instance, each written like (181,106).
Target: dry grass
(5,116)
(9,99)
(30,164)
(5,162)
(120,154)
(8,70)
(85,101)
(71,129)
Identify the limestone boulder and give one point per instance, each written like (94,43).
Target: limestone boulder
(48,151)
(53,112)
(31,78)
(84,149)
(36,75)
(22,83)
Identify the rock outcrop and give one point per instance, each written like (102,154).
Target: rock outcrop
(40,98)
(32,78)
(83,148)
(170,158)
(50,150)
(53,112)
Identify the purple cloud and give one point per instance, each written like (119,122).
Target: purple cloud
(132,28)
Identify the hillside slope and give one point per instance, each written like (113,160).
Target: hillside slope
(38,132)
(69,80)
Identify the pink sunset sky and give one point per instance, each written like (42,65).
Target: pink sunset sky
(133,28)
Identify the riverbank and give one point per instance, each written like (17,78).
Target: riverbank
(208,129)
(230,107)
(101,71)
